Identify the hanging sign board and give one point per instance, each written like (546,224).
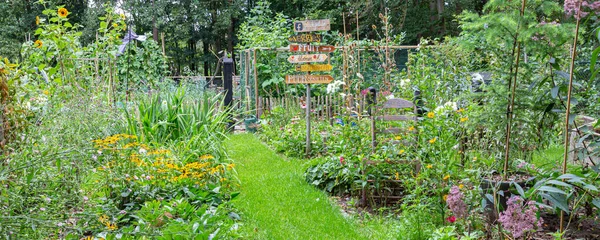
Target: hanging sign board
(307,58)
(312,25)
(306,38)
(311,48)
(314,67)
(308,79)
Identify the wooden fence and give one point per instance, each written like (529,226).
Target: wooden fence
(322,107)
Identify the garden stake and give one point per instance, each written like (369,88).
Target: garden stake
(509,113)
(568,112)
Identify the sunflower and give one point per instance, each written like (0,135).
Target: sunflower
(62,12)
(38,43)
(37,20)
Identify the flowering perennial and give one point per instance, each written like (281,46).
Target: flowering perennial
(519,218)
(456,203)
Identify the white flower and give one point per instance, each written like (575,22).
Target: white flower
(391,96)
(448,106)
(334,86)
(404,82)
(142,151)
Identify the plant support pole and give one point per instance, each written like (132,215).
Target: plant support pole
(509,113)
(307,120)
(568,112)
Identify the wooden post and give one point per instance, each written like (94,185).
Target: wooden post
(307,119)
(228,87)
(162,38)
(246,79)
(255,83)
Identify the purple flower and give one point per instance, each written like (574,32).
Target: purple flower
(455,202)
(583,7)
(123,212)
(519,218)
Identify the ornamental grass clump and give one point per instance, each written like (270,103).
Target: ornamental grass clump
(456,203)
(519,218)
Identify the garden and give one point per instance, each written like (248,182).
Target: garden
(488,130)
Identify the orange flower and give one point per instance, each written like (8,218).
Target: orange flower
(38,43)
(62,12)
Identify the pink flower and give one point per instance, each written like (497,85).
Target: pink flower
(520,218)
(364,92)
(341,160)
(455,202)
(451,219)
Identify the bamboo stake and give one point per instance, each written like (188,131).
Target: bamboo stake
(510,108)
(568,112)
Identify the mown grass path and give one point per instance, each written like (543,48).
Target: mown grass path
(275,201)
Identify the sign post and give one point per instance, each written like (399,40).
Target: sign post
(308,79)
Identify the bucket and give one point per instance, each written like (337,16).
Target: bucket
(251,123)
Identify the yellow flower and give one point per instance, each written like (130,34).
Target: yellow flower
(397,176)
(474,159)
(112,226)
(460,110)
(46,92)
(445,198)
(461,186)
(103,218)
(411,128)
(38,43)
(62,12)
(122,16)
(398,138)
(446,177)
(430,115)
(37,20)
(464,119)
(206,157)
(401,151)
(230,166)
(433,140)
(429,166)
(115,25)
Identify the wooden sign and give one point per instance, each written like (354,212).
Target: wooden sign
(314,67)
(311,48)
(312,25)
(308,79)
(306,38)
(307,58)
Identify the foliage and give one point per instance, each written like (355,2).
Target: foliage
(142,66)
(175,117)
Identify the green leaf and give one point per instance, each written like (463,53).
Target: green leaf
(68,25)
(596,202)
(519,189)
(554,91)
(593,60)
(551,189)
(559,202)
(559,183)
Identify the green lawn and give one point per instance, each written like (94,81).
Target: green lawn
(276,203)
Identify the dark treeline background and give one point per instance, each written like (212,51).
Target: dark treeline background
(197,30)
